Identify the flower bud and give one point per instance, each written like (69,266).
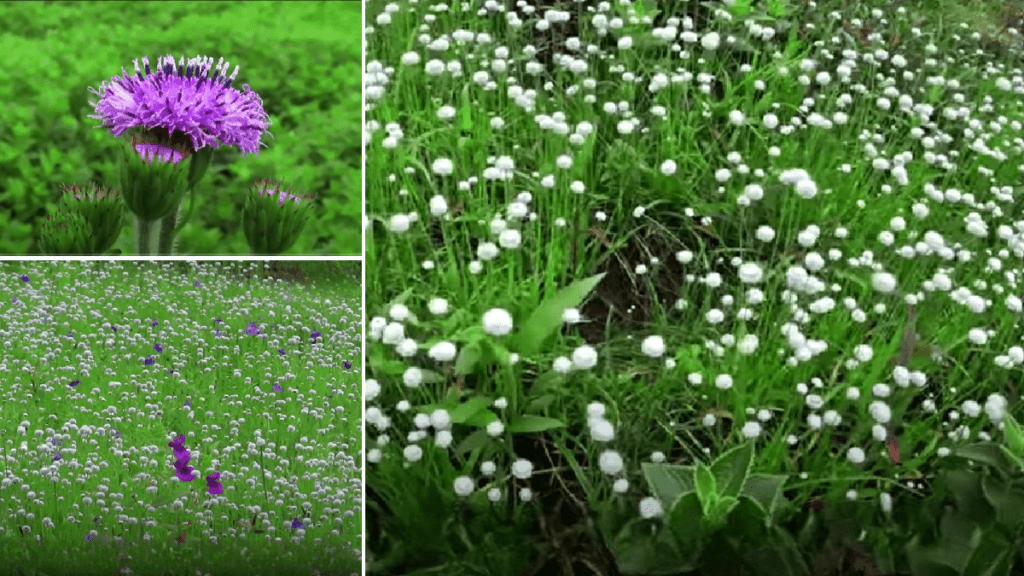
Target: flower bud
(272,219)
(88,221)
(153,181)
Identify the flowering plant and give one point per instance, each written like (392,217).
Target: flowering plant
(178,113)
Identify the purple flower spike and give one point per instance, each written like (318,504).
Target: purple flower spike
(24,278)
(186,98)
(158,347)
(184,471)
(74,383)
(347,365)
(277,387)
(296,524)
(213,484)
(149,361)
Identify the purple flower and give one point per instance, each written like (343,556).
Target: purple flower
(178,445)
(56,442)
(196,284)
(155,323)
(116,433)
(253,330)
(188,403)
(347,365)
(74,383)
(57,457)
(14,300)
(213,483)
(25,278)
(277,387)
(185,98)
(217,335)
(316,334)
(149,361)
(88,537)
(184,471)
(280,351)
(158,347)
(114,328)
(296,524)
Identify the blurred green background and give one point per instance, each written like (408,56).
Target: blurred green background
(302,58)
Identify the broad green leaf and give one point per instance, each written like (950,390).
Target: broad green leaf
(684,520)
(1016,463)
(540,404)
(987,453)
(1014,436)
(992,557)
(765,491)
(464,411)
(1007,499)
(468,358)
(529,424)
(481,419)
(667,481)
(705,485)
(474,441)
(547,317)
(732,468)
(718,511)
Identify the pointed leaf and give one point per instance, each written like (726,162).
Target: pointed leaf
(705,485)
(1014,436)
(466,410)
(667,481)
(547,317)
(732,468)
(530,424)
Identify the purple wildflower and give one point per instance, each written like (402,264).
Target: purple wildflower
(25,278)
(185,98)
(196,284)
(116,433)
(277,387)
(296,524)
(114,328)
(217,335)
(188,403)
(14,300)
(74,383)
(149,361)
(158,347)
(316,334)
(253,330)
(178,445)
(213,484)
(155,323)
(280,351)
(57,457)
(184,471)
(347,365)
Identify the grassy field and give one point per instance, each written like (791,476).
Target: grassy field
(612,240)
(302,58)
(113,371)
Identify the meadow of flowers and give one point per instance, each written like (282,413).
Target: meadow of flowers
(179,418)
(668,286)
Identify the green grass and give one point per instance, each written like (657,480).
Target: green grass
(112,501)
(621,157)
(302,58)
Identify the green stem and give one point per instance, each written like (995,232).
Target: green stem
(144,237)
(165,244)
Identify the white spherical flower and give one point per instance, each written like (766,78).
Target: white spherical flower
(621,486)
(495,429)
(510,239)
(438,206)
(561,365)
(442,167)
(855,455)
(710,41)
(412,453)
(497,322)
(584,357)
(412,377)
(602,431)
(653,346)
(438,306)
(487,251)
(610,462)
(751,273)
(883,282)
(464,486)
(522,469)
(751,430)
(398,223)
(442,351)
(723,381)
(650,508)
(668,167)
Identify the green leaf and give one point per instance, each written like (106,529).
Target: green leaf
(732,468)
(465,111)
(667,482)
(547,317)
(540,404)
(468,358)
(684,520)
(993,556)
(530,424)
(766,492)
(987,453)
(965,487)
(706,486)
(1014,436)
(719,511)
(466,410)
(474,441)
(1007,499)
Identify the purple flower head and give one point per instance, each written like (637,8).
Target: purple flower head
(158,347)
(88,537)
(196,284)
(253,330)
(116,433)
(155,323)
(347,365)
(25,278)
(149,361)
(217,335)
(114,328)
(178,445)
(14,300)
(274,191)
(184,471)
(316,334)
(74,383)
(218,321)
(280,351)
(57,457)
(277,387)
(184,98)
(296,524)
(213,484)
(188,403)
(170,370)
(56,442)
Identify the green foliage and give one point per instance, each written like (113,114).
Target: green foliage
(302,58)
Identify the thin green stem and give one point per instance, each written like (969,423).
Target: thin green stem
(144,237)
(165,244)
